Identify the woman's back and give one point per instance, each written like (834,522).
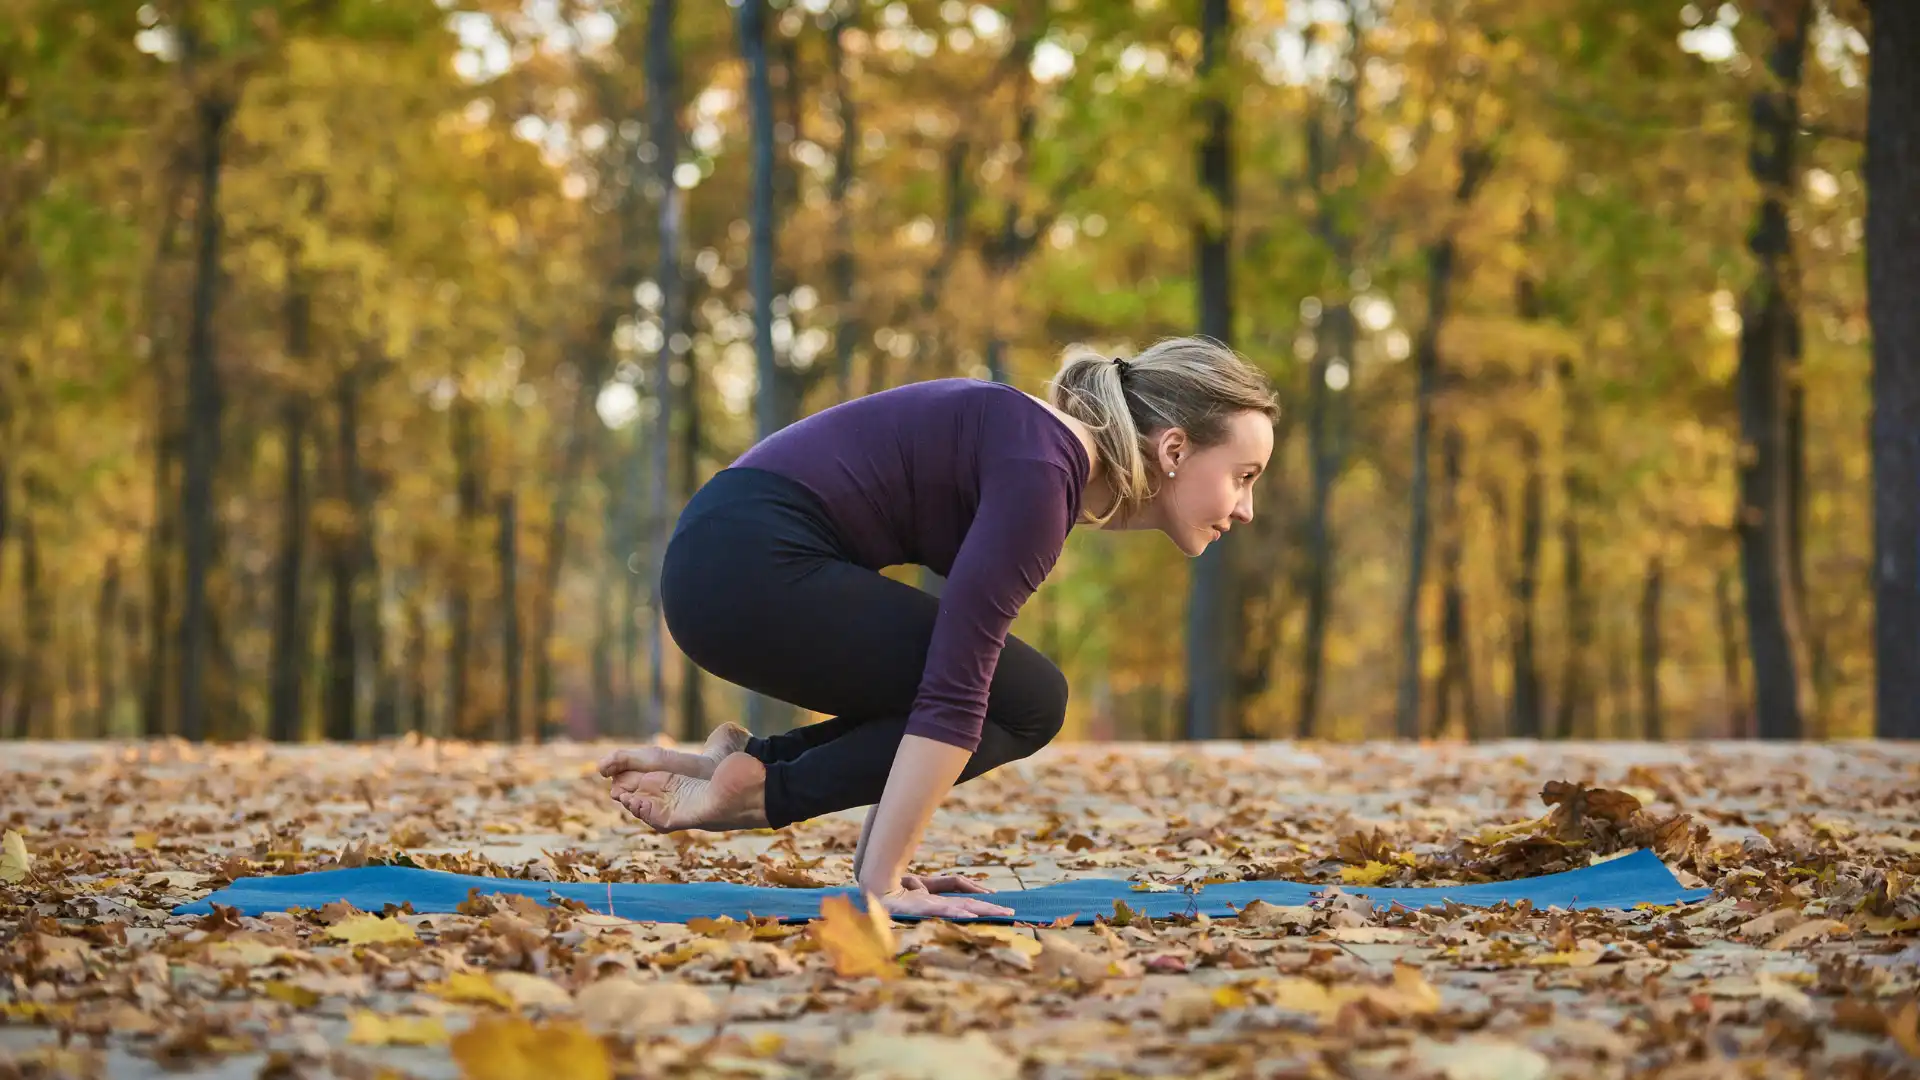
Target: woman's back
(900,472)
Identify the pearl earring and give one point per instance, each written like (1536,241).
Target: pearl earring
(1169,472)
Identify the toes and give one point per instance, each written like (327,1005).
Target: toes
(619,761)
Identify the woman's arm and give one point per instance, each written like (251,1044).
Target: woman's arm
(924,770)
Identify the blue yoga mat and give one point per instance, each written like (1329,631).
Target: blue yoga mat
(1639,878)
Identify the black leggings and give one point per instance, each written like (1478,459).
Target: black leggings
(757,590)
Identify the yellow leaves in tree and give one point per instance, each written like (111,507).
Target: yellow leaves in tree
(509,1048)
(15,862)
(371,930)
(859,943)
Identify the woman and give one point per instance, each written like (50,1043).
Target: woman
(771,581)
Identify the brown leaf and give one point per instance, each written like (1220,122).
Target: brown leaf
(1808,932)
(790,879)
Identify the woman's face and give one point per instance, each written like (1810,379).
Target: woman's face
(1212,487)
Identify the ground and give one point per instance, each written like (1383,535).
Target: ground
(1803,963)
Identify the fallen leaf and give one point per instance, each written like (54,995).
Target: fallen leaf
(475,987)
(15,862)
(1904,1028)
(372,1029)
(174,879)
(370,930)
(1370,935)
(512,1048)
(293,994)
(1061,955)
(532,991)
(1808,932)
(1372,873)
(248,952)
(146,841)
(790,879)
(880,1056)
(1483,1058)
(859,942)
(627,1006)
(1259,913)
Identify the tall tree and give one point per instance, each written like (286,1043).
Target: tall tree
(1210,665)
(1893,284)
(1768,317)
(1475,163)
(213,107)
(663,100)
(770,398)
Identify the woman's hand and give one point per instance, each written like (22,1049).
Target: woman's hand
(945,883)
(912,897)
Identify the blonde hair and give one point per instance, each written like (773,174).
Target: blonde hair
(1195,384)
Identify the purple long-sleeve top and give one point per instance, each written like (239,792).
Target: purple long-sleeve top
(973,479)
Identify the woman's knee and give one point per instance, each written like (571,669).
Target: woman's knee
(1035,708)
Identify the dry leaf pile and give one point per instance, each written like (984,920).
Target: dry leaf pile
(1803,963)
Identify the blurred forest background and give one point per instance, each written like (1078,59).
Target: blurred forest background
(355,355)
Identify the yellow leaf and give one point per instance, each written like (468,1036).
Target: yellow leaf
(510,1048)
(860,943)
(15,863)
(1229,997)
(1371,874)
(1575,958)
(470,986)
(372,1029)
(246,952)
(297,996)
(369,929)
(146,841)
(1878,924)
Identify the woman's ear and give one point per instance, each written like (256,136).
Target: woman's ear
(1169,448)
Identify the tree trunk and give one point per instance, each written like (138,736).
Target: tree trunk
(30,706)
(1210,667)
(1528,714)
(462,721)
(204,406)
(1779,664)
(415,659)
(664,95)
(764,715)
(342,670)
(846,330)
(1652,722)
(106,685)
(506,726)
(1474,165)
(1576,494)
(289,623)
(1740,718)
(1325,445)
(1893,284)
(1456,644)
(693,715)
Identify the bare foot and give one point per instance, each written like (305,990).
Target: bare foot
(733,798)
(627,766)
